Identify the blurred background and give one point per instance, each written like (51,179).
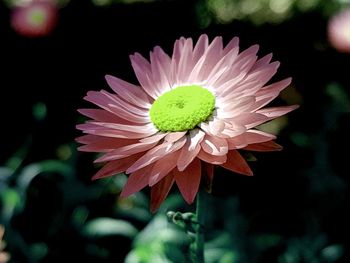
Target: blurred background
(295,208)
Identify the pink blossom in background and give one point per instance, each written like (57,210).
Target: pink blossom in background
(339,31)
(35,18)
(131,140)
(4,256)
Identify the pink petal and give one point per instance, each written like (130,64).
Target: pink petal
(237,142)
(129,92)
(178,46)
(213,159)
(136,181)
(224,65)
(216,126)
(199,49)
(188,181)
(239,69)
(116,167)
(154,138)
(236,107)
(126,150)
(185,62)
(103,115)
(271,91)
(262,62)
(109,105)
(163,167)
(236,163)
(250,119)
(105,144)
(258,104)
(203,67)
(212,56)
(164,61)
(214,145)
(85,139)
(227,83)
(194,75)
(160,75)
(231,129)
(143,73)
(110,130)
(121,127)
(249,137)
(264,147)
(256,136)
(187,156)
(190,149)
(100,131)
(231,45)
(249,52)
(160,191)
(257,79)
(157,153)
(117,102)
(277,111)
(174,136)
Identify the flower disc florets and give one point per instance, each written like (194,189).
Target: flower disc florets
(182,108)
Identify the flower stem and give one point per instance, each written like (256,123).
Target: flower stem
(200,218)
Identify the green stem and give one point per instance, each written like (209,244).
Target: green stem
(200,218)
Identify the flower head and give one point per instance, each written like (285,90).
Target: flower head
(191,111)
(339,31)
(35,18)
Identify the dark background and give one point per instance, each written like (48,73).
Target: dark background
(300,194)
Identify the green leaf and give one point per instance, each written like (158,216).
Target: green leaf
(11,201)
(79,215)
(39,250)
(105,226)
(267,240)
(145,256)
(5,173)
(39,111)
(160,230)
(31,171)
(220,255)
(332,252)
(229,257)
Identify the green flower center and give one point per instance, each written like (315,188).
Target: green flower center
(182,108)
(36,16)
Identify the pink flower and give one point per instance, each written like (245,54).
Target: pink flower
(339,31)
(35,18)
(4,256)
(191,111)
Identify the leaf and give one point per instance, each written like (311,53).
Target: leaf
(39,250)
(5,173)
(219,255)
(222,240)
(79,215)
(104,226)
(11,201)
(332,252)
(145,256)
(160,230)
(267,240)
(31,171)
(39,111)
